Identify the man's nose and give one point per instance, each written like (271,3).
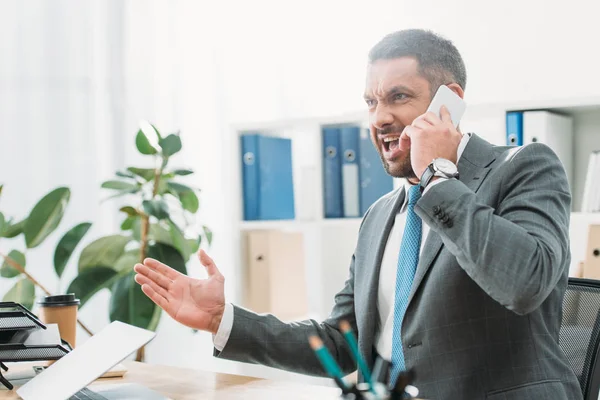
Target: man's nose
(381,117)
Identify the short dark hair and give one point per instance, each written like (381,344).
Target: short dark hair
(439,60)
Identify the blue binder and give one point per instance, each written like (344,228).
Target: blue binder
(332,173)
(349,141)
(267,177)
(514,128)
(374,181)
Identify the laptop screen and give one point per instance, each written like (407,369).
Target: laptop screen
(86,362)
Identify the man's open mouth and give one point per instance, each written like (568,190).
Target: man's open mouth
(390,143)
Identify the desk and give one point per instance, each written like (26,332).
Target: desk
(189,384)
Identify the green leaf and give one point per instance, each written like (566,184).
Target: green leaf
(145,173)
(124,174)
(103,252)
(160,233)
(23,293)
(170,145)
(189,201)
(167,255)
(119,185)
(15,230)
(7,271)
(128,223)
(91,281)
(2,224)
(127,260)
(45,216)
(123,193)
(208,233)
(183,172)
(1,187)
(188,198)
(179,241)
(179,188)
(157,208)
(194,245)
(67,245)
(132,212)
(136,229)
(129,304)
(143,144)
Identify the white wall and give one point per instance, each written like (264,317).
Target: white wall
(310,59)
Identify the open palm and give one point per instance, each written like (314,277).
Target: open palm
(197,303)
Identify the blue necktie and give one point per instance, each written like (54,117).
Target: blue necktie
(407,265)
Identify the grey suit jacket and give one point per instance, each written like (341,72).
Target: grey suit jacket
(485,308)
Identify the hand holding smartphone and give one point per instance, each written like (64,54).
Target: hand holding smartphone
(446,97)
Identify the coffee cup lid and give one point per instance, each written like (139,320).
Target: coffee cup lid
(60,300)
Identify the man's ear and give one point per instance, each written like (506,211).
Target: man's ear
(455,87)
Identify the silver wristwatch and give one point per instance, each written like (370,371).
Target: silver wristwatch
(438,167)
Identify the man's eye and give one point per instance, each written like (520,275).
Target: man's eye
(399,96)
(370,103)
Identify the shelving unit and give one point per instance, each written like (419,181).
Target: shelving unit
(329,243)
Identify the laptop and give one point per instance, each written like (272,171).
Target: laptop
(68,377)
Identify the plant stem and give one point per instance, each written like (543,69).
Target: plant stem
(21,269)
(141,352)
(146,218)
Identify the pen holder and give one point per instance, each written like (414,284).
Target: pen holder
(381,391)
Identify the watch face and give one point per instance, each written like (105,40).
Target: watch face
(445,166)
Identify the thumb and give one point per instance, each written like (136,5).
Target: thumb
(209,264)
(445,114)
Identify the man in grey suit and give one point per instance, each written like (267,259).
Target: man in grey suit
(459,275)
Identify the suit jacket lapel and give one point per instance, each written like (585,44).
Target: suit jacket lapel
(386,222)
(472,169)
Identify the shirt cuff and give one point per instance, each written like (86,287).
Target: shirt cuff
(436,182)
(222,336)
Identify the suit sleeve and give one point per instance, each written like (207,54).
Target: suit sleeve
(264,339)
(518,251)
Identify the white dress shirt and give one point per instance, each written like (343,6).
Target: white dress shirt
(387,280)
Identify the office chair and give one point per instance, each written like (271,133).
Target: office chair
(580,333)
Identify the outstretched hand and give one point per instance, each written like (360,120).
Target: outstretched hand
(197,303)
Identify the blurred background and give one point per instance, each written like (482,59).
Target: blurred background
(77,77)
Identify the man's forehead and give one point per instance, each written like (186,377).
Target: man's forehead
(384,74)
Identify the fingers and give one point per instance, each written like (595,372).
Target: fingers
(154,276)
(432,118)
(408,131)
(445,114)
(143,280)
(155,297)
(162,268)
(209,264)
(421,123)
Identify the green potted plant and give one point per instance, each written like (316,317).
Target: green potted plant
(158,222)
(29,233)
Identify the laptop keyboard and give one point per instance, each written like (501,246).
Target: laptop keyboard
(87,394)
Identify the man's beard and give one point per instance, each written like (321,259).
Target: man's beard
(402,167)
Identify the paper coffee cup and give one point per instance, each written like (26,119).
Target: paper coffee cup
(61,310)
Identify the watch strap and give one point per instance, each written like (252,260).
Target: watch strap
(426,177)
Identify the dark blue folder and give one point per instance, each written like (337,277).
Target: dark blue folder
(267,177)
(374,181)
(332,173)
(514,128)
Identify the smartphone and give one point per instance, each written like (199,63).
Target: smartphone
(445,96)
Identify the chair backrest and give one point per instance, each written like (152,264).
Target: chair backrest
(580,333)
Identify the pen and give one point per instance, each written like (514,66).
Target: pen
(331,367)
(362,365)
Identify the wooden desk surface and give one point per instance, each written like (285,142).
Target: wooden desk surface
(188,384)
